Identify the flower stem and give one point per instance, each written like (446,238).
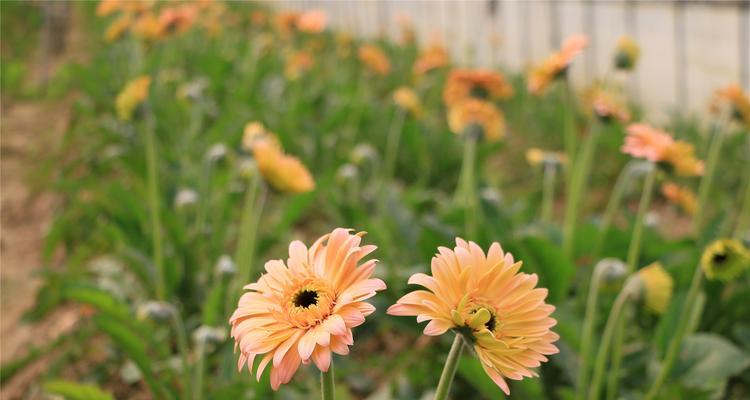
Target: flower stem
(577,185)
(326,384)
(614,369)
(612,206)
(245,252)
(569,122)
(588,332)
(712,160)
(635,240)
(182,346)
(601,355)
(743,220)
(467,186)
(154,206)
(449,370)
(391,153)
(548,191)
(199,371)
(676,342)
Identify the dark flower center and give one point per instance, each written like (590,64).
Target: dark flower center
(720,258)
(479,92)
(492,323)
(305,298)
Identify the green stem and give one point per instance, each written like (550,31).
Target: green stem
(569,123)
(645,202)
(614,369)
(199,371)
(712,160)
(548,191)
(449,370)
(182,347)
(577,186)
(467,186)
(391,153)
(676,342)
(588,331)
(154,206)
(743,220)
(601,355)
(623,180)
(245,252)
(326,384)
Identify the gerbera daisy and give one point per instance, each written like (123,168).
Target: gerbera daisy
(725,259)
(497,309)
(536,157)
(556,64)
(607,106)
(407,99)
(131,96)
(285,173)
(645,141)
(375,59)
(480,84)
(433,57)
(681,196)
(627,53)
(680,157)
(477,113)
(304,310)
(737,99)
(313,21)
(656,287)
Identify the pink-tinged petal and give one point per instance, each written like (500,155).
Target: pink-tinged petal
(437,327)
(241,362)
(351,315)
(365,308)
(306,345)
(322,358)
(335,324)
(497,378)
(262,365)
(339,346)
(281,351)
(285,371)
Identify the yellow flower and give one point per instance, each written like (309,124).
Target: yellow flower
(477,113)
(627,53)
(657,287)
(480,84)
(681,159)
(118,27)
(304,310)
(681,196)
(131,96)
(498,309)
(283,172)
(725,259)
(555,65)
(375,59)
(407,99)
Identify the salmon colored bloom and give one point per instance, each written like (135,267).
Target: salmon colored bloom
(131,96)
(177,19)
(737,99)
(497,309)
(627,53)
(681,159)
(298,63)
(147,27)
(681,196)
(313,21)
(285,22)
(433,57)
(285,173)
(375,59)
(555,65)
(479,113)
(408,100)
(608,107)
(645,141)
(481,84)
(305,310)
(656,286)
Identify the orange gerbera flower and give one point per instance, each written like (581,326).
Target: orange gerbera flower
(680,156)
(285,173)
(556,64)
(298,63)
(607,106)
(478,113)
(305,310)
(433,57)
(475,83)
(408,99)
(645,141)
(736,99)
(286,21)
(681,196)
(313,21)
(375,59)
(499,310)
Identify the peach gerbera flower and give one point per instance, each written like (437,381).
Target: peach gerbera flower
(375,59)
(680,156)
(475,83)
(433,57)
(285,173)
(556,64)
(681,196)
(736,99)
(607,106)
(305,310)
(499,310)
(645,141)
(407,99)
(313,21)
(477,113)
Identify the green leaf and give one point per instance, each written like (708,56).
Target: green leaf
(470,370)
(548,260)
(75,391)
(706,361)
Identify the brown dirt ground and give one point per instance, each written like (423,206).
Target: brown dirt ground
(29,131)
